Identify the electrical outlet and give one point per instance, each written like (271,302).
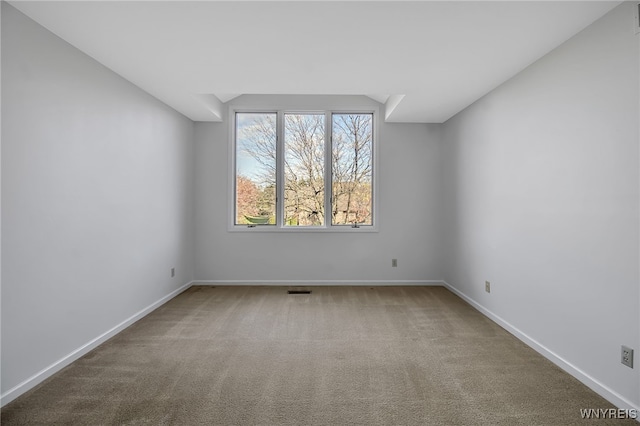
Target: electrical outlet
(626,356)
(394,263)
(487,286)
(173,272)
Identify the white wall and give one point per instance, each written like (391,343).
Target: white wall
(96,201)
(408,200)
(541,198)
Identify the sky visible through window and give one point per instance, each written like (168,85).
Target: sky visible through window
(246,164)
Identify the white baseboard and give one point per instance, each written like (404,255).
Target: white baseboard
(320,282)
(601,389)
(39,377)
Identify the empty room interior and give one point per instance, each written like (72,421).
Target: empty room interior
(320,212)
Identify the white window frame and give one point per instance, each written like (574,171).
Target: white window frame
(279,226)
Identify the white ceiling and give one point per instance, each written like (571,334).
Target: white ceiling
(425,60)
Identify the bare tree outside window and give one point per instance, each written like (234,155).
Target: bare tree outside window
(351,198)
(304,169)
(303,175)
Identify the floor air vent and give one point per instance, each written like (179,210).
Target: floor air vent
(299,291)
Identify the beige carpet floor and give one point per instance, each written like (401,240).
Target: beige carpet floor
(342,355)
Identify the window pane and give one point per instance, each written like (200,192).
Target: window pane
(304,169)
(255,168)
(352,192)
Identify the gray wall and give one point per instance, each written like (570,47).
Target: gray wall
(541,198)
(408,200)
(96,200)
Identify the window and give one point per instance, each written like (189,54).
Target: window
(303,170)
(352,169)
(255,168)
(304,152)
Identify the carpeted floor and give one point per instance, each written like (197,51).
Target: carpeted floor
(342,355)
